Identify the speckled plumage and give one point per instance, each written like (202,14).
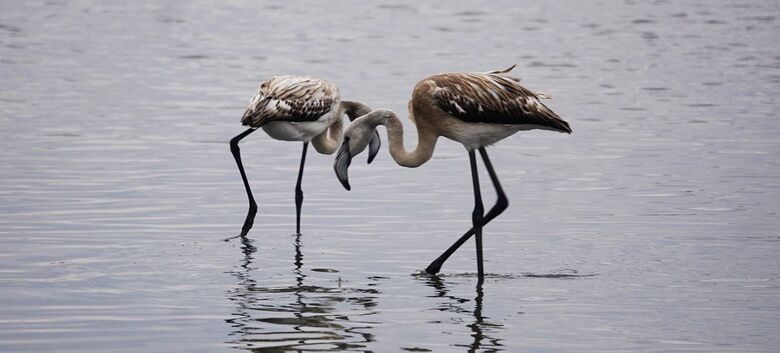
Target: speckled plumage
(492,98)
(296,108)
(291,99)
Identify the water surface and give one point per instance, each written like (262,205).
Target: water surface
(652,228)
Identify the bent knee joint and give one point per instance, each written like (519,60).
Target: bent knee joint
(502,203)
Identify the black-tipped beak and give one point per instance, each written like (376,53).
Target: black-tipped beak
(341,165)
(373,146)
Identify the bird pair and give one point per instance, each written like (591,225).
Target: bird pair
(475,109)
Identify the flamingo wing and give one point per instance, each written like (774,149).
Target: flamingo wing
(493,98)
(292,99)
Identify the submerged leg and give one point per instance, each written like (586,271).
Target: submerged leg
(298,191)
(250,216)
(501,204)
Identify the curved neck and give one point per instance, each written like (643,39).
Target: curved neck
(329,140)
(426,141)
(354,109)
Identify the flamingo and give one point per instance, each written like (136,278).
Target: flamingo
(297,108)
(475,109)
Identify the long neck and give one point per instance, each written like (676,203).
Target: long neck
(354,109)
(426,141)
(329,140)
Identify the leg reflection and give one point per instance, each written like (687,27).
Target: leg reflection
(298,263)
(482,330)
(278,312)
(476,327)
(248,250)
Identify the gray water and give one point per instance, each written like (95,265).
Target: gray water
(652,228)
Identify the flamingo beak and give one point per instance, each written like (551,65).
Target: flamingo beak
(341,165)
(373,146)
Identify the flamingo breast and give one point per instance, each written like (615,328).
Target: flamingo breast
(300,130)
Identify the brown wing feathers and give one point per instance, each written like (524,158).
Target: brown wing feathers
(290,98)
(491,98)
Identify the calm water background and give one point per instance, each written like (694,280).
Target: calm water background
(652,228)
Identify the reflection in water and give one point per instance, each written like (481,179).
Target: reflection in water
(109,212)
(482,331)
(301,317)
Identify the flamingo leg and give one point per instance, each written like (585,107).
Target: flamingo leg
(250,216)
(478,214)
(501,204)
(298,191)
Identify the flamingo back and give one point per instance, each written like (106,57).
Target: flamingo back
(492,98)
(291,99)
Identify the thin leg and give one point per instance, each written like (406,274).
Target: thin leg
(250,216)
(298,191)
(501,204)
(478,214)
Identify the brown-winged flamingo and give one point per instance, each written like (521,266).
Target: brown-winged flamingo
(475,109)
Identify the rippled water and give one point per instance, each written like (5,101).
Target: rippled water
(653,227)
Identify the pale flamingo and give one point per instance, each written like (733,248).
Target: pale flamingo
(295,108)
